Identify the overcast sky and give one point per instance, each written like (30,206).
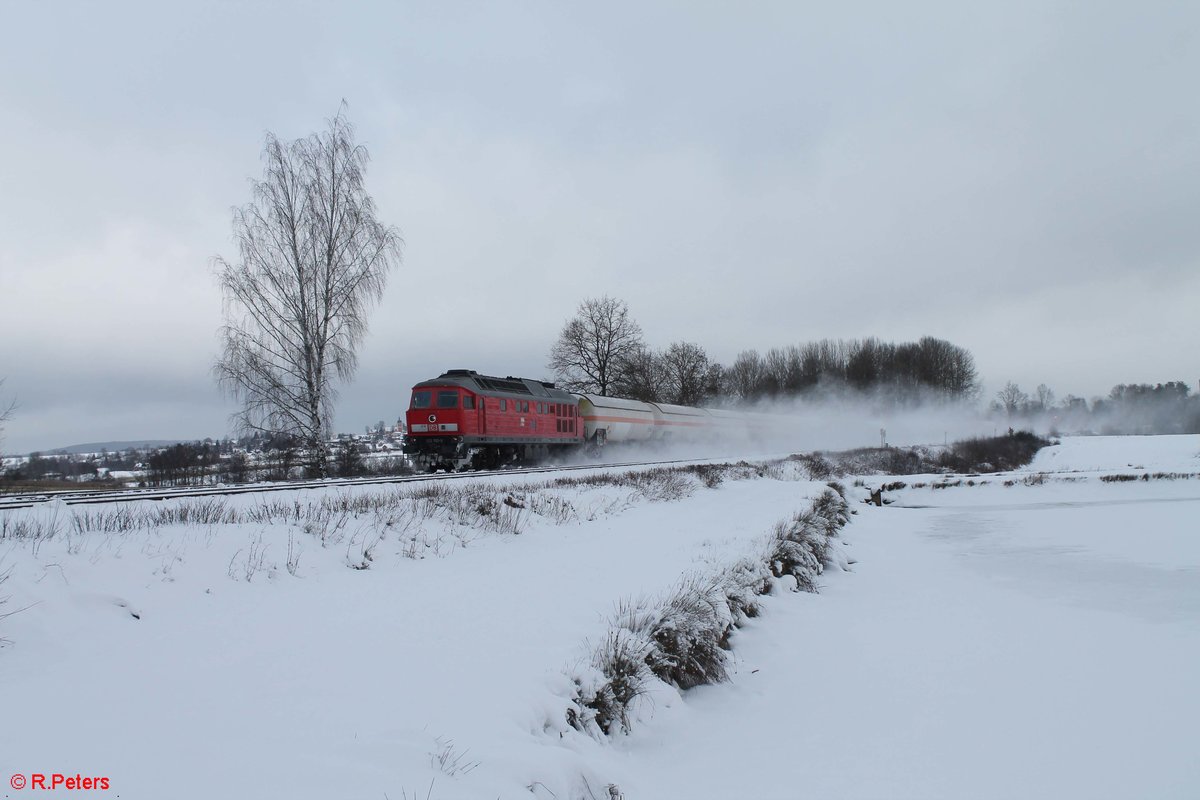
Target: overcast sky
(1020,178)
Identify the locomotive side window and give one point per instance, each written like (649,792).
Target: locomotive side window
(447,399)
(503,404)
(468,401)
(422,399)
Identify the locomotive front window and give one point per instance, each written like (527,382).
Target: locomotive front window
(447,399)
(422,399)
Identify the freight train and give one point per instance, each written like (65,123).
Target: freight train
(463,420)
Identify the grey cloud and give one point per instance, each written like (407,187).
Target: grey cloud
(1012,177)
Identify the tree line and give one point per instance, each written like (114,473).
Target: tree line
(601,350)
(1129,408)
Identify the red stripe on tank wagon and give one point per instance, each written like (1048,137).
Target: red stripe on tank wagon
(638,421)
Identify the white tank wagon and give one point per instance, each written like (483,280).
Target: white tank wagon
(682,423)
(613,419)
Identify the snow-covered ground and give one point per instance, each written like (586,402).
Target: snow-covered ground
(1039,639)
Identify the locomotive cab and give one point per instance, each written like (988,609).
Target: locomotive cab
(441,410)
(440,419)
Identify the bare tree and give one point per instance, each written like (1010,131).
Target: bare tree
(313,258)
(946,368)
(639,376)
(6,412)
(747,376)
(684,370)
(593,344)
(1011,399)
(1043,397)
(716,384)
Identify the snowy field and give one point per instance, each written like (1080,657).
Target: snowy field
(1037,639)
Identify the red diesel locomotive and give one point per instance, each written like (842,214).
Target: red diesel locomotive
(466,420)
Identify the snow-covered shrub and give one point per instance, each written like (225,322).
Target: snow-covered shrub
(607,688)
(554,508)
(293,555)
(992,454)
(253,562)
(690,634)
(325,524)
(663,484)
(832,508)
(815,465)
(793,555)
(711,475)
(24,529)
(743,583)
(116,520)
(803,544)
(208,511)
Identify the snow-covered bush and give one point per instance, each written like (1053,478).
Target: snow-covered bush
(607,687)
(817,466)
(802,545)
(691,634)
(992,454)
(711,475)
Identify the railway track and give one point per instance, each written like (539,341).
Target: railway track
(11,502)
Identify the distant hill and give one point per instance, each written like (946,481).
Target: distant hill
(112,447)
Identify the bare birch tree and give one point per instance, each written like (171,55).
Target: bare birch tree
(312,260)
(593,344)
